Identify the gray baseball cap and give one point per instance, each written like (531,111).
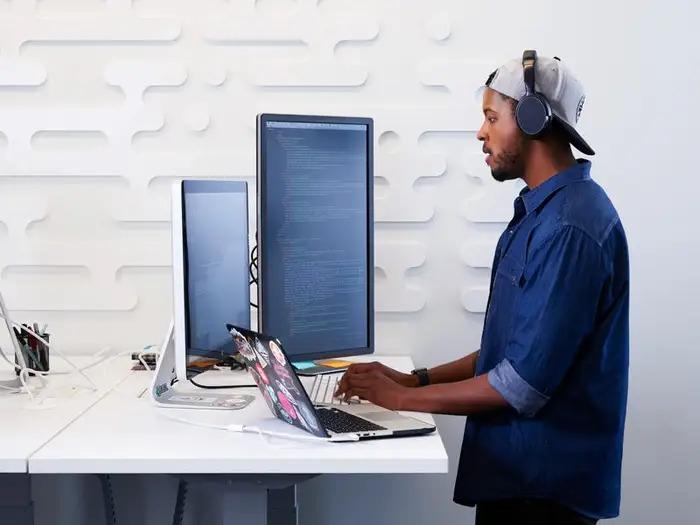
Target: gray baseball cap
(553,80)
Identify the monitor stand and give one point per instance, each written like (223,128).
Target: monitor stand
(165,395)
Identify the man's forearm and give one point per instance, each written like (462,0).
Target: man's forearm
(459,370)
(466,397)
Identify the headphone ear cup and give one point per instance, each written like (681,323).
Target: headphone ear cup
(533,115)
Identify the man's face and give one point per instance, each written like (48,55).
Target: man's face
(502,139)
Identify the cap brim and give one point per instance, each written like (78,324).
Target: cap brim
(575,139)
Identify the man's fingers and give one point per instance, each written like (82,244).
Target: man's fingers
(362,393)
(360,380)
(344,383)
(342,387)
(353,370)
(360,368)
(353,381)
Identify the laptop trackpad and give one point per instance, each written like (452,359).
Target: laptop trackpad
(384,415)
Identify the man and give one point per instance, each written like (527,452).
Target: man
(546,394)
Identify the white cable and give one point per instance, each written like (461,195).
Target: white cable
(98,359)
(112,357)
(102,359)
(251,429)
(22,377)
(262,433)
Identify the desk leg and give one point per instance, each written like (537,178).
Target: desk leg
(16,506)
(282,506)
(270,499)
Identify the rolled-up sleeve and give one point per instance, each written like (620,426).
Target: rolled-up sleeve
(514,389)
(556,312)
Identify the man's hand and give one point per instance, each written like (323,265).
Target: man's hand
(376,383)
(396,376)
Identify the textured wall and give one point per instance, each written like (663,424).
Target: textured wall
(104,103)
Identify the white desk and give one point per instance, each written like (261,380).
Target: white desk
(124,433)
(28,425)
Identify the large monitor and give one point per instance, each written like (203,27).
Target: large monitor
(210,267)
(315,234)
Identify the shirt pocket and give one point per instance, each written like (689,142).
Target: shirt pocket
(502,308)
(505,296)
(511,271)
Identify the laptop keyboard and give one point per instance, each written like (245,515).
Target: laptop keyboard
(341,422)
(323,388)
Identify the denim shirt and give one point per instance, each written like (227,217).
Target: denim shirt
(555,345)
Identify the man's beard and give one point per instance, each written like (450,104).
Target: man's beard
(508,165)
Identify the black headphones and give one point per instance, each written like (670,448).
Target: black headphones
(533,112)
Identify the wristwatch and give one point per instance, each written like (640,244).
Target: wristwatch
(422,374)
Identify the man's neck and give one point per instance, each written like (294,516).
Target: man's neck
(542,166)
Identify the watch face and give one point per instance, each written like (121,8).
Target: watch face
(422,374)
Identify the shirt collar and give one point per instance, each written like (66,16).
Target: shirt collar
(534,198)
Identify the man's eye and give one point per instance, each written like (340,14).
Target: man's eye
(491,119)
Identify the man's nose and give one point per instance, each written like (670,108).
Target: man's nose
(480,135)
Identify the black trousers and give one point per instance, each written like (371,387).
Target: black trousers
(528,512)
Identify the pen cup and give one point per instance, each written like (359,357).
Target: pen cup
(35,354)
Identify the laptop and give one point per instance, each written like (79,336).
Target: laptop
(287,399)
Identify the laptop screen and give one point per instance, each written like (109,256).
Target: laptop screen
(273,373)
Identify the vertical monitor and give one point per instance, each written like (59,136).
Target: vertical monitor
(315,234)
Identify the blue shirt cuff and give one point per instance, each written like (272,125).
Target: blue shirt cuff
(525,399)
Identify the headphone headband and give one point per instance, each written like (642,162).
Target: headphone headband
(529,62)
